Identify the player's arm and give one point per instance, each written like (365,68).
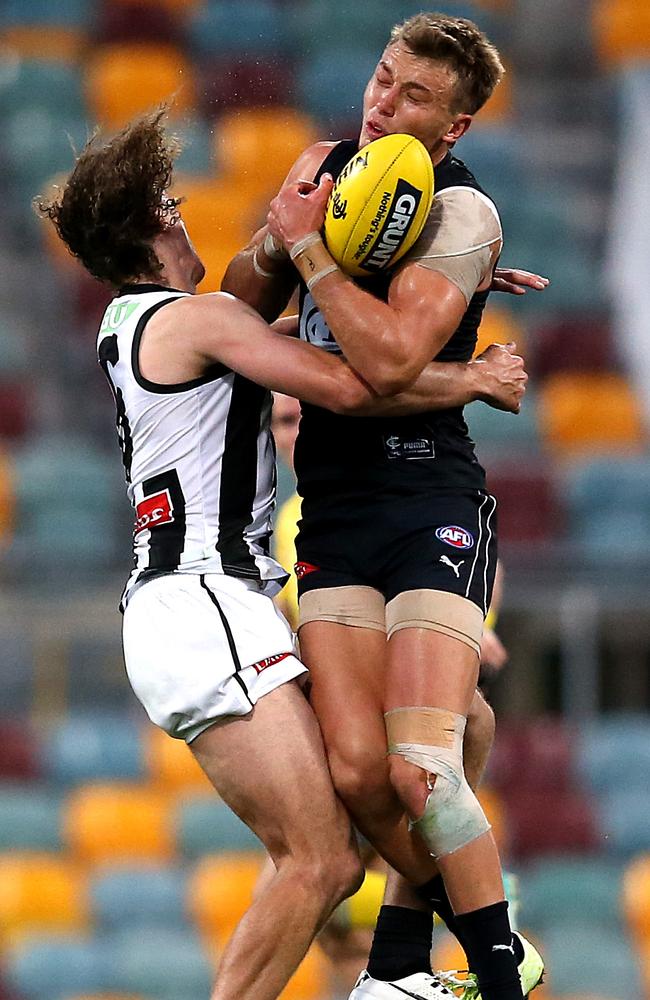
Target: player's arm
(389,343)
(193,333)
(262,274)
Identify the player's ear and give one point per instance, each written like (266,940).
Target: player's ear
(458,128)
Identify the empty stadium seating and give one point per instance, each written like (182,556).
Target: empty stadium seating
(118,822)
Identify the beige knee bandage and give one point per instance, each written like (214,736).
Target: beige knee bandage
(432,738)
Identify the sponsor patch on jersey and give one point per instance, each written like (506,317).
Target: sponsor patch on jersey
(416,447)
(457,537)
(303,568)
(153,511)
(269,661)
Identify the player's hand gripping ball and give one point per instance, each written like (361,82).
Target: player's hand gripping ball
(379,204)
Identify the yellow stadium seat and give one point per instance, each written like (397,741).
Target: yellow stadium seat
(311,979)
(499,326)
(589,412)
(621,29)
(499,107)
(495,813)
(220,891)
(125,79)
(41,892)
(52,42)
(260,145)
(636,899)
(119,822)
(170,763)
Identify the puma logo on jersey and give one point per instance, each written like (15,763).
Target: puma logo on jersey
(503,947)
(456,568)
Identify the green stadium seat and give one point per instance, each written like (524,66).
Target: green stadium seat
(30,818)
(54,967)
(161,963)
(41,84)
(205,825)
(581,889)
(256,27)
(590,959)
(93,746)
(132,896)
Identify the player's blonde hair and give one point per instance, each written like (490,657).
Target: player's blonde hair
(460,44)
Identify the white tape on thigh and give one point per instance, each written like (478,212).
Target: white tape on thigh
(452,816)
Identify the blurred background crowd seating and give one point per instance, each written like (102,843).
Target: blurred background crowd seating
(120,872)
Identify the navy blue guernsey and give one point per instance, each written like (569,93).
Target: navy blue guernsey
(349,457)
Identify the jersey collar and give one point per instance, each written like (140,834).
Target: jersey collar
(138,288)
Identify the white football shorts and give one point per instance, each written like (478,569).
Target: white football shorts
(201,647)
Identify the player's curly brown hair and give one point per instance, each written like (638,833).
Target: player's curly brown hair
(460,44)
(114,203)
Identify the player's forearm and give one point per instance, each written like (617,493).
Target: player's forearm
(266,287)
(440,386)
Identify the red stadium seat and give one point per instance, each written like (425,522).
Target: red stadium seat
(543,822)
(19,757)
(244,84)
(534,754)
(572,344)
(529,511)
(133,21)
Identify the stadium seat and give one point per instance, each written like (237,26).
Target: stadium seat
(243,83)
(16,412)
(20,755)
(575,343)
(535,753)
(310,981)
(500,326)
(256,27)
(205,824)
(608,501)
(636,899)
(220,890)
(14,345)
(160,962)
(261,145)
(612,753)
(69,13)
(118,822)
(51,86)
(54,967)
(170,764)
(529,510)
(589,412)
(124,80)
(67,498)
(581,889)
(148,895)
(331,86)
(40,892)
(624,821)
(135,21)
(93,747)
(30,817)
(51,42)
(543,823)
(493,430)
(621,31)
(599,961)
(197,155)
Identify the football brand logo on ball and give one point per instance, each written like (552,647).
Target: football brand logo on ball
(457,537)
(379,204)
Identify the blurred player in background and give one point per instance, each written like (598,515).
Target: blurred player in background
(380,500)
(206,651)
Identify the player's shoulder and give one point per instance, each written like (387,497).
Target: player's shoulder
(310,160)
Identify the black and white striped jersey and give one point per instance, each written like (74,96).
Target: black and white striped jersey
(199,457)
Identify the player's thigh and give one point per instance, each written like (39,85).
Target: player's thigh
(270,768)
(348,675)
(429,668)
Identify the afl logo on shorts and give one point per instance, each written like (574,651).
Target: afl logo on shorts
(457,537)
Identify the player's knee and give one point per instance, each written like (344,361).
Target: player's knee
(411,784)
(359,773)
(481,723)
(332,875)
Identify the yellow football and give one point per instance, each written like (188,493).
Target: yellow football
(379,204)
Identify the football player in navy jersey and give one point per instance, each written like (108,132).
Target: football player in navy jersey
(397,543)
(206,652)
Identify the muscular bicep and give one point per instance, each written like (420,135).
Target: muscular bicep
(430,308)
